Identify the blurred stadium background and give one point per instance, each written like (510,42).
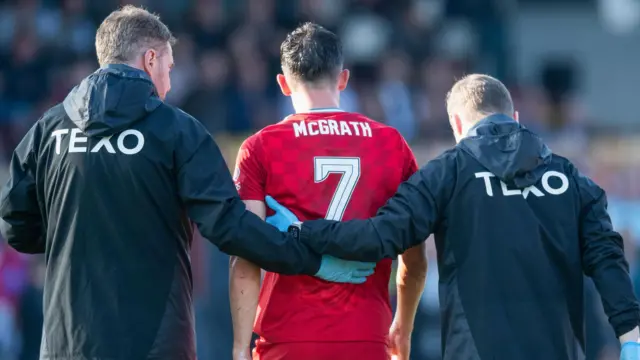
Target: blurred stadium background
(572,67)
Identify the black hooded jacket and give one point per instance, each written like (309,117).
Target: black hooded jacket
(107,186)
(516,227)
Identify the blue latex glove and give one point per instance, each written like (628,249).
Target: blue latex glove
(331,268)
(282,218)
(630,351)
(344,271)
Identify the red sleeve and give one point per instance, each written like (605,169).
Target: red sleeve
(249,175)
(410,163)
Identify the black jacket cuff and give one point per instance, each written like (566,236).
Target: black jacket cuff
(625,322)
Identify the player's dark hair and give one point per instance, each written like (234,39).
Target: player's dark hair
(312,54)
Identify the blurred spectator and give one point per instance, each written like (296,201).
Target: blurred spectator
(210,104)
(31,317)
(13,279)
(8,129)
(395,96)
(436,78)
(26,77)
(78,31)
(207,24)
(45,22)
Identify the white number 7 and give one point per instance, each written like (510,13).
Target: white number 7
(349,168)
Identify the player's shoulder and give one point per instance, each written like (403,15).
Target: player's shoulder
(251,141)
(277,130)
(375,125)
(354,116)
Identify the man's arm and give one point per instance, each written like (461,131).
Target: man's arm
(19,207)
(412,267)
(603,260)
(410,279)
(244,290)
(212,202)
(407,219)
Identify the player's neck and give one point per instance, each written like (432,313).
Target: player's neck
(313,100)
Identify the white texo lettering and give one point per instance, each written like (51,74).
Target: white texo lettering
(104,142)
(509,192)
(531,189)
(136,149)
(487,183)
(559,175)
(75,139)
(57,134)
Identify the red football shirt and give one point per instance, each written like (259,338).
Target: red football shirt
(335,165)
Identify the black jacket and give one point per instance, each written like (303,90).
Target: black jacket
(107,185)
(515,226)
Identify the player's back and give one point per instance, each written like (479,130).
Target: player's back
(339,166)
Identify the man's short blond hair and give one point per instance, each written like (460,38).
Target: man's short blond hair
(479,95)
(128,32)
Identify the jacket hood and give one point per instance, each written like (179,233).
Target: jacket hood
(111,100)
(507,149)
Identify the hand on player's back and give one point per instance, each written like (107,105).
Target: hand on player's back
(331,269)
(283,216)
(344,271)
(630,351)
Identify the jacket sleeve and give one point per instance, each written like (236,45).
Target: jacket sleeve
(406,220)
(22,224)
(212,202)
(603,258)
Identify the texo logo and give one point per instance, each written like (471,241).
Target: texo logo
(76,142)
(529,189)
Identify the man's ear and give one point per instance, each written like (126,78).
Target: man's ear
(516,116)
(284,86)
(457,124)
(343,79)
(149,60)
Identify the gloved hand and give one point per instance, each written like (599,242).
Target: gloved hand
(630,351)
(331,268)
(344,271)
(282,218)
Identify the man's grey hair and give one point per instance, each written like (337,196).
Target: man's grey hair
(129,32)
(479,95)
